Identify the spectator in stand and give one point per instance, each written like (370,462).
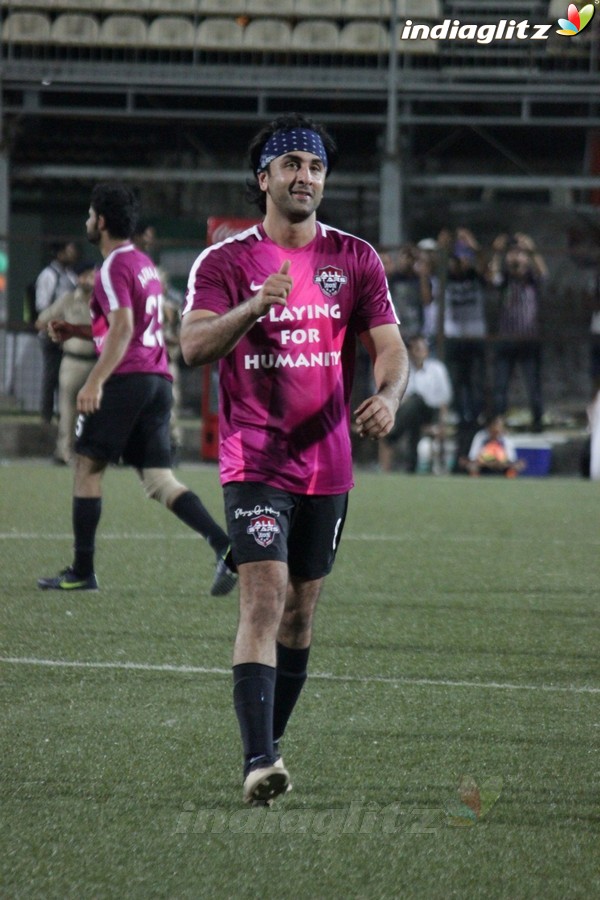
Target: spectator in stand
(144,237)
(518,271)
(425,405)
(464,333)
(410,287)
(56,279)
(78,354)
(428,262)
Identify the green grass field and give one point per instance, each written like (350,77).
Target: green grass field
(446,744)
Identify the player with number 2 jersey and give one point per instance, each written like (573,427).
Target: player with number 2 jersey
(128,278)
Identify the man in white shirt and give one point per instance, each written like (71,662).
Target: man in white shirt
(56,279)
(425,403)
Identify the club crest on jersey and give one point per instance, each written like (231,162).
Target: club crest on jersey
(264,528)
(330,279)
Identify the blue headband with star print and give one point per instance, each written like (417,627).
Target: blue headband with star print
(287,141)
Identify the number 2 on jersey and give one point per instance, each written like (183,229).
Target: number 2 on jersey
(153,334)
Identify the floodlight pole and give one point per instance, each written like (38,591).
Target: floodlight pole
(391,187)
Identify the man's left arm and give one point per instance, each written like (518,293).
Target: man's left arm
(375,415)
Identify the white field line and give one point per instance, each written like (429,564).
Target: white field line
(322,676)
(192,536)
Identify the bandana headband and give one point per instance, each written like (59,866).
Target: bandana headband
(287,141)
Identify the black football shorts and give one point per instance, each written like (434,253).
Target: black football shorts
(265,523)
(132,423)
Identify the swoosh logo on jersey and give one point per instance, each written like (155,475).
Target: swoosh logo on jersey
(255,287)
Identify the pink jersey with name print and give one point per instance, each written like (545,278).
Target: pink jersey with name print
(128,278)
(284,390)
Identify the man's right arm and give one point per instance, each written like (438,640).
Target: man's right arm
(206,336)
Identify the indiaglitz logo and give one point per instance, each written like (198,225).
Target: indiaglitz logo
(474,801)
(577,19)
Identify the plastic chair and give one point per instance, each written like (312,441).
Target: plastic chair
(268,34)
(219,7)
(174,32)
(219,32)
(315,34)
(82,5)
(123,6)
(124,31)
(366,9)
(173,7)
(418,46)
(269,7)
(364,37)
(75,28)
(318,8)
(26,28)
(420,9)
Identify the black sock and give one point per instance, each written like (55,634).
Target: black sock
(291,675)
(253,692)
(86,515)
(189,508)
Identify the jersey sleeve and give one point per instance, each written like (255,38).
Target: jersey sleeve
(115,281)
(374,303)
(207,286)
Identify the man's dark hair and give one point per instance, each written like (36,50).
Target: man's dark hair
(57,247)
(285,122)
(119,206)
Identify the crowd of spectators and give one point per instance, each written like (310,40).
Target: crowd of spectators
(479,309)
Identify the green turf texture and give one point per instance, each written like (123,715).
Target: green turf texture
(455,658)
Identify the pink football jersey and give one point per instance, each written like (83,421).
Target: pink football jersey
(128,278)
(284,390)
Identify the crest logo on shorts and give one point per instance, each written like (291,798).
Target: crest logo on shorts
(264,528)
(330,279)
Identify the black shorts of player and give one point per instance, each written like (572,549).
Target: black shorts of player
(265,523)
(132,423)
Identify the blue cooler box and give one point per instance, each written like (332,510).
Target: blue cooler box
(538,456)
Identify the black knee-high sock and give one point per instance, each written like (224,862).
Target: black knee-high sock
(189,508)
(86,515)
(253,692)
(291,675)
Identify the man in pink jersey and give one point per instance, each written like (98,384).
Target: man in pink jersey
(280,306)
(125,404)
